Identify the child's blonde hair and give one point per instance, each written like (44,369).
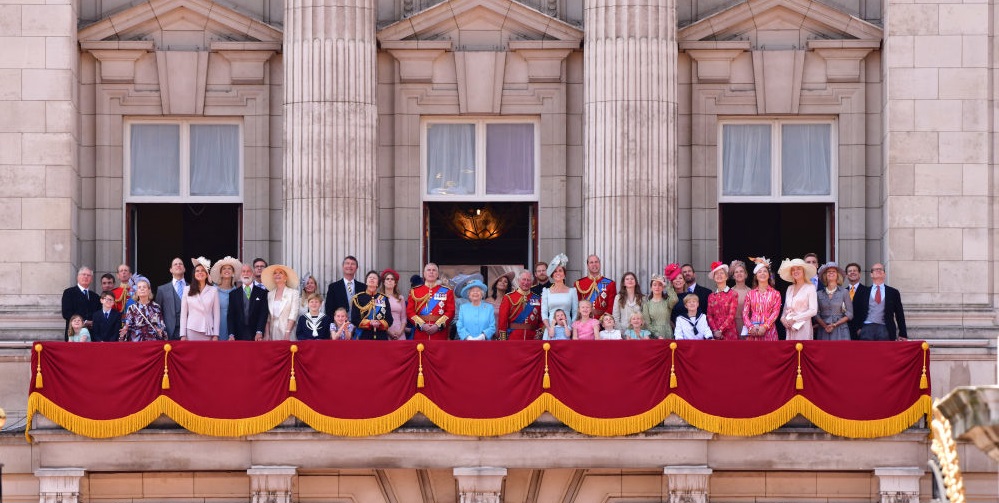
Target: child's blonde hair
(579,313)
(636,315)
(69,331)
(604,317)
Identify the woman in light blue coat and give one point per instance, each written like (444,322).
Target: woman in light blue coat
(476,319)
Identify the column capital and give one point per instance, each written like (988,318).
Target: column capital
(480,484)
(688,483)
(899,484)
(59,484)
(271,484)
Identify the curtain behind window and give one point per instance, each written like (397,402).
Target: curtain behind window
(155,160)
(214,160)
(451,159)
(746,159)
(805,159)
(510,159)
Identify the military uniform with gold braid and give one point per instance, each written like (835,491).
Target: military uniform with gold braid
(519,316)
(433,305)
(600,291)
(372,316)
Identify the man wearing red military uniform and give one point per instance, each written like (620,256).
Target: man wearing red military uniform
(600,291)
(520,312)
(430,307)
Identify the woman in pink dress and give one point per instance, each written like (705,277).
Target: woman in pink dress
(397,304)
(199,306)
(737,269)
(722,305)
(762,304)
(800,304)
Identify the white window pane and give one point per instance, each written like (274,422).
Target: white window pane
(450,159)
(746,160)
(214,160)
(155,160)
(510,159)
(806,159)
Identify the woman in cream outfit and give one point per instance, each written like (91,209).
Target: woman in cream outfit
(800,303)
(282,301)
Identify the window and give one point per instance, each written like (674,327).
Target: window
(777,160)
(183,161)
(470,159)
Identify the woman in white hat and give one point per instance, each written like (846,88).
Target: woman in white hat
(282,301)
(223,274)
(199,306)
(800,303)
(835,306)
(476,318)
(723,305)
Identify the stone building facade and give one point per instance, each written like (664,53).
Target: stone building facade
(645,132)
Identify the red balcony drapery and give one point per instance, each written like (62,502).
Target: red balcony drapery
(359,388)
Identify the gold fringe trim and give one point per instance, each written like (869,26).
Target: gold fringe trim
(546,402)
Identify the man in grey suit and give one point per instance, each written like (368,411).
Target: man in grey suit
(168,297)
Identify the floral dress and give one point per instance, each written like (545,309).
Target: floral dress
(762,308)
(142,321)
(722,306)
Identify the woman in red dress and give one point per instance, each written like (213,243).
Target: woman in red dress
(722,305)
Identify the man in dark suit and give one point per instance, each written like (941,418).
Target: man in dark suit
(879,307)
(80,300)
(340,292)
(168,297)
(107,320)
(690,281)
(247,309)
(853,285)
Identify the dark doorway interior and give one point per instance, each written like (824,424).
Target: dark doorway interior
(160,232)
(776,230)
(480,233)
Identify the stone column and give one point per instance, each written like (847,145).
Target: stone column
(330,119)
(59,485)
(44,235)
(688,484)
(630,106)
(480,484)
(271,484)
(899,484)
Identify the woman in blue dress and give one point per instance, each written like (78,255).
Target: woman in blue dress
(476,318)
(223,274)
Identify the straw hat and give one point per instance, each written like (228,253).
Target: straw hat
(785,269)
(216,272)
(267,277)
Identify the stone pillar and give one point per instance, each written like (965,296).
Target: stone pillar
(59,485)
(480,484)
(688,484)
(330,119)
(271,484)
(41,227)
(899,484)
(630,106)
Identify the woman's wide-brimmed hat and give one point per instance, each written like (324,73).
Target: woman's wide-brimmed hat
(831,265)
(658,277)
(216,272)
(509,275)
(473,284)
(559,260)
(267,277)
(785,269)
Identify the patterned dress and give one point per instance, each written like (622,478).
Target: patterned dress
(722,306)
(762,309)
(142,321)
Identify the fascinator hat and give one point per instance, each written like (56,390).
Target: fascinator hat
(202,261)
(716,265)
(559,260)
(760,262)
(672,271)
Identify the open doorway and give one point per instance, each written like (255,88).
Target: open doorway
(159,232)
(776,230)
(483,234)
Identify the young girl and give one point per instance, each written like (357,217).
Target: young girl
(693,326)
(585,328)
(313,324)
(560,326)
(636,328)
(77,332)
(341,329)
(609,331)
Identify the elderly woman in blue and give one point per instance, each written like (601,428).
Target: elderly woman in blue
(476,318)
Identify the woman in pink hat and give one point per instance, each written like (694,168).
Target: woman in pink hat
(762,304)
(722,305)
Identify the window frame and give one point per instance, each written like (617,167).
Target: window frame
(184,195)
(480,123)
(776,160)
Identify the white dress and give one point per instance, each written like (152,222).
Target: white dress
(280,312)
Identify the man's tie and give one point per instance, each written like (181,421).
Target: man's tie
(350,297)
(180,288)
(877,294)
(106,315)
(246,290)
(853,290)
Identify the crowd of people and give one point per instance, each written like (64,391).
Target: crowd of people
(232,300)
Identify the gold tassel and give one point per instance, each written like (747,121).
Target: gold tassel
(419,376)
(292,385)
(546,382)
(924,383)
(672,365)
(38,373)
(166,372)
(799,383)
